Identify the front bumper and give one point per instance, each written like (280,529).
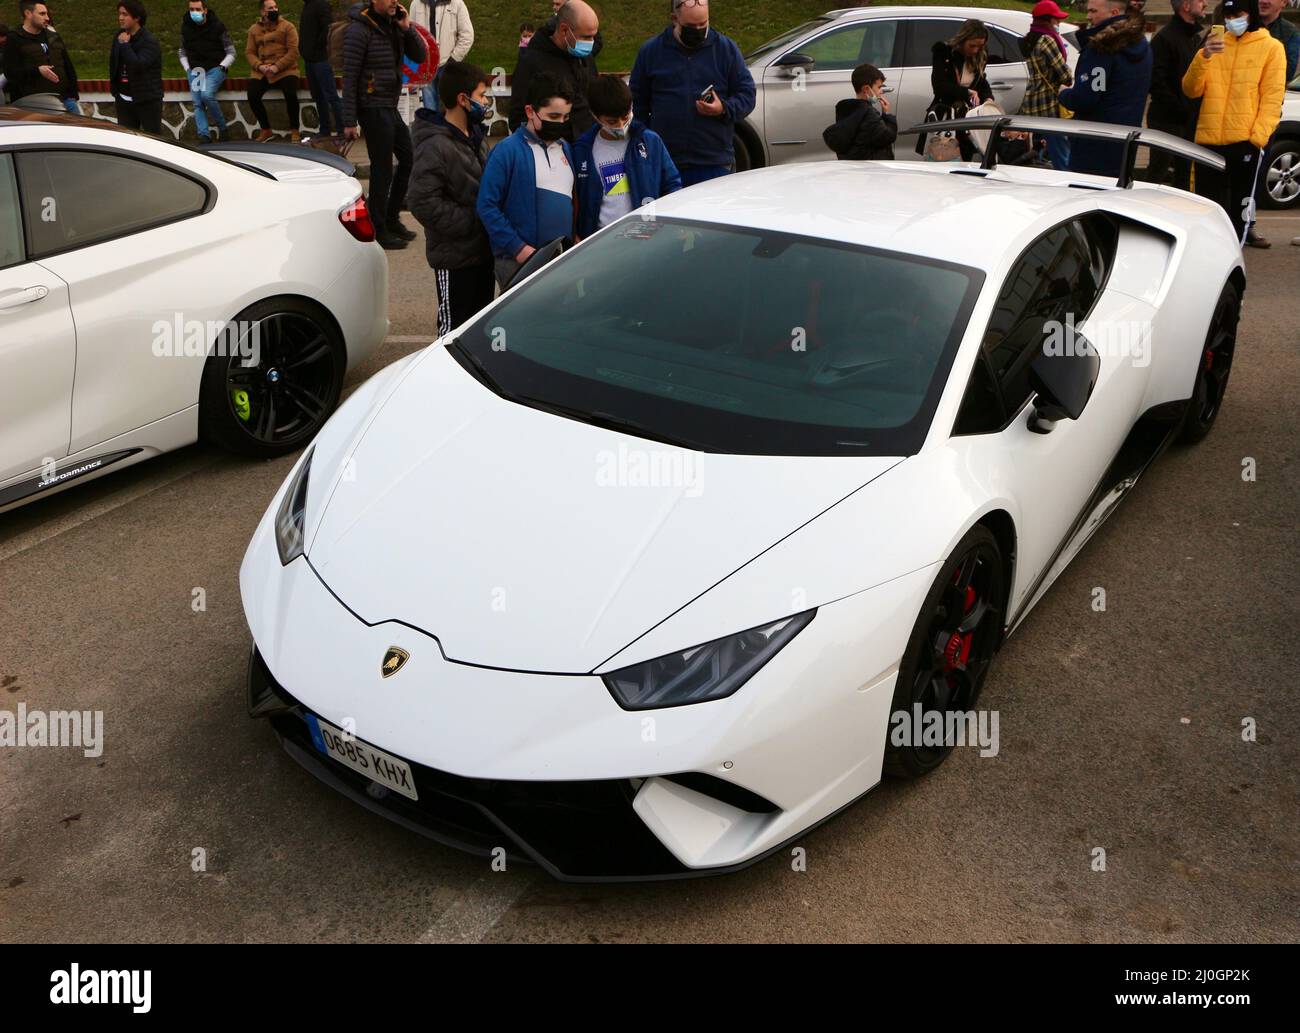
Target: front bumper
(549,767)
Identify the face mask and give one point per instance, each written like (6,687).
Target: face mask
(476,112)
(1237,26)
(582,47)
(874,102)
(196,16)
(618,132)
(694,36)
(552,131)
(273,16)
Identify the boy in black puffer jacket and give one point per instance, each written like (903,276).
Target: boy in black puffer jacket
(450,153)
(864,130)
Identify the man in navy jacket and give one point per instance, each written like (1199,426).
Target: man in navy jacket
(669,79)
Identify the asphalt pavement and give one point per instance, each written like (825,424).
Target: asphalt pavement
(1121,731)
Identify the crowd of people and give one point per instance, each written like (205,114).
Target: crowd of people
(587,148)
(1220,85)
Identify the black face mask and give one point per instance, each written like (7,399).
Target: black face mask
(552,131)
(693,36)
(273,16)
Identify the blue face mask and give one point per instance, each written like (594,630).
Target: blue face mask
(476,112)
(582,47)
(196,16)
(1237,26)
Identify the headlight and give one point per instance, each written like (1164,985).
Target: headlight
(702,673)
(292,514)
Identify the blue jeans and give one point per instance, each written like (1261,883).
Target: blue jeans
(329,109)
(71,106)
(429,94)
(204,83)
(1058,151)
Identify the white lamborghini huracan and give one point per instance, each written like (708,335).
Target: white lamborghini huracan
(627,575)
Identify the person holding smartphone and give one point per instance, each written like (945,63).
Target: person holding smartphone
(690,84)
(1239,75)
(377,36)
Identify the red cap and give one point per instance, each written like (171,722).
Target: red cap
(1047,9)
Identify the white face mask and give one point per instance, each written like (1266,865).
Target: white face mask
(1237,26)
(618,132)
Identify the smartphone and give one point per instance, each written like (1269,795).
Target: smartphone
(1216,31)
(706,94)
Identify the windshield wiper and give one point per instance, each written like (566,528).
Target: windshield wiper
(611,421)
(479,371)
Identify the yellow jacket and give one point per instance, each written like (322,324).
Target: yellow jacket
(1241,89)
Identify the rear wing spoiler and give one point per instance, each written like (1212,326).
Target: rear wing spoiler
(1130,136)
(288,150)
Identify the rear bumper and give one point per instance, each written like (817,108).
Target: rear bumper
(359,301)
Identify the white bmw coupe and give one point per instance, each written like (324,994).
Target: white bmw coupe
(627,576)
(151,294)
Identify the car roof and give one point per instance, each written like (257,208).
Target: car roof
(996,14)
(10,116)
(950,212)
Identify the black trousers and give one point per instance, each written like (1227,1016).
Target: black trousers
(142,115)
(1234,187)
(1160,164)
(386,138)
(462,292)
(257,90)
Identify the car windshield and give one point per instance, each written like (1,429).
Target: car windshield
(731,340)
(786,37)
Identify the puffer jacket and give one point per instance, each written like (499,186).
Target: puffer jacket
(1111,83)
(273,45)
(861,132)
(1241,89)
(373,47)
(444,191)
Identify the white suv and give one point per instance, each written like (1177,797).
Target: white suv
(803,73)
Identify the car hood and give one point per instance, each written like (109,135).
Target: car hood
(524,540)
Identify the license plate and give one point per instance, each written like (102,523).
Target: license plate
(389,771)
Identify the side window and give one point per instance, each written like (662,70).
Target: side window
(11,220)
(923,34)
(878,47)
(1057,280)
(981,409)
(838,50)
(1003,46)
(77,198)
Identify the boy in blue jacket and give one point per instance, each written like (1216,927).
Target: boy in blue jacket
(619,163)
(525,198)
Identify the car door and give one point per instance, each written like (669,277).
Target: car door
(1057,281)
(1006,70)
(121,232)
(796,108)
(38,347)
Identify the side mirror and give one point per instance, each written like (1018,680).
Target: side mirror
(793,63)
(539,258)
(1063,380)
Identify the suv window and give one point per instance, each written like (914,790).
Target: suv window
(923,34)
(1003,46)
(845,48)
(11,220)
(77,198)
(1056,281)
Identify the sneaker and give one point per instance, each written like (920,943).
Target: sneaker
(1295,241)
(1254,239)
(204,138)
(263,136)
(389,242)
(398,230)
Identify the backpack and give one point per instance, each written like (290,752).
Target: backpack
(337,31)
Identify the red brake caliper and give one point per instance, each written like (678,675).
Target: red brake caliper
(957,651)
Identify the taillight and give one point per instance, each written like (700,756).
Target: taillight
(356,220)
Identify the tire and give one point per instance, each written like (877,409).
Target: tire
(1213,369)
(951,646)
(276,402)
(744,154)
(1279,180)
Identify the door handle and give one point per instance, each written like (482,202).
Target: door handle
(1000,85)
(23,297)
(886,89)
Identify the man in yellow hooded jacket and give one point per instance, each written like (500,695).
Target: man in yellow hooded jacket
(1240,77)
